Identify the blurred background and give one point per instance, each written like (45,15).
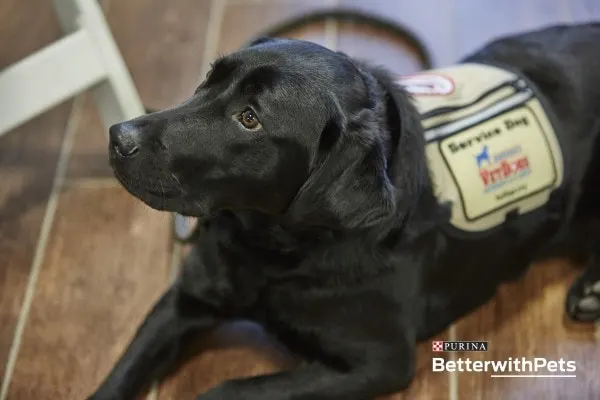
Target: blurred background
(81,261)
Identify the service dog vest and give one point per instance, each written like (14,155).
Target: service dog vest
(491,147)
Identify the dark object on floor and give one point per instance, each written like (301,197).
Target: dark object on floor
(308,172)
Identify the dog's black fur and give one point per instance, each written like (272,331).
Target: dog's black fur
(320,222)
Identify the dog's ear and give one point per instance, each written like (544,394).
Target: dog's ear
(369,166)
(348,187)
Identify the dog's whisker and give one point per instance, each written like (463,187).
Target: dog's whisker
(178,183)
(162,190)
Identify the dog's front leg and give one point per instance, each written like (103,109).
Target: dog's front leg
(356,347)
(156,345)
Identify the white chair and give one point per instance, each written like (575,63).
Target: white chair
(85,58)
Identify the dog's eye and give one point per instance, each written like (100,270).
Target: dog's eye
(249,119)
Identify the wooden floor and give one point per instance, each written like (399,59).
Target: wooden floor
(81,261)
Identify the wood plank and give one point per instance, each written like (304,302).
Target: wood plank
(107,261)
(28,157)
(527,319)
(162,44)
(89,155)
(42,28)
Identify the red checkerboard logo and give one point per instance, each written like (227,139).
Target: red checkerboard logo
(437,346)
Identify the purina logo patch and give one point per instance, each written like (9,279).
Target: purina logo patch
(427,84)
(446,345)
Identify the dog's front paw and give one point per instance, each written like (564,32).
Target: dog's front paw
(583,300)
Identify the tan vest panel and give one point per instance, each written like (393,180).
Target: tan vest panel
(490,145)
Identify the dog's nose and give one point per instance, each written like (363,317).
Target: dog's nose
(125,139)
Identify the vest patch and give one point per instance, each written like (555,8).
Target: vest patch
(491,148)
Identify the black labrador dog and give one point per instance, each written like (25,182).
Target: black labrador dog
(318,218)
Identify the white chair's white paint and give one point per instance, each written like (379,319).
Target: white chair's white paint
(87,57)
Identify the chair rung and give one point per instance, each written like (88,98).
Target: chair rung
(48,77)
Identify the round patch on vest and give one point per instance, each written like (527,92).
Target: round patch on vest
(427,84)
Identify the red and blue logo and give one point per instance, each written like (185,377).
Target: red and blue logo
(498,169)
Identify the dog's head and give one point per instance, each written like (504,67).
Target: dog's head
(284,127)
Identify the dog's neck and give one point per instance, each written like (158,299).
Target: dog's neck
(405,131)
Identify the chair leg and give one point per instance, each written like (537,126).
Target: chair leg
(116,97)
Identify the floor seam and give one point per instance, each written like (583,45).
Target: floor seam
(46,226)
(173,273)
